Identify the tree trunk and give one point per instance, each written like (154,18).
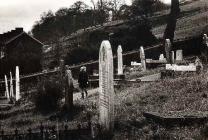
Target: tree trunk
(172,19)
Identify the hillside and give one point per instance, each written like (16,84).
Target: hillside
(192,21)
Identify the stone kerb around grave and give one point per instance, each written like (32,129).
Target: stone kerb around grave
(106,87)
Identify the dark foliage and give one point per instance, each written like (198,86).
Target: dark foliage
(48,96)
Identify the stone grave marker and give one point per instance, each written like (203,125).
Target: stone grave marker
(106,87)
(167,50)
(69,87)
(199,65)
(120,60)
(142,58)
(205,39)
(17,85)
(11,86)
(162,58)
(110,18)
(172,57)
(181,68)
(179,55)
(7,88)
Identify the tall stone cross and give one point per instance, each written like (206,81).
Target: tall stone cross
(120,60)
(142,58)
(167,50)
(106,87)
(17,84)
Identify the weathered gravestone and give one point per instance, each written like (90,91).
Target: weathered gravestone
(172,57)
(142,58)
(167,50)
(120,60)
(204,48)
(11,86)
(179,55)
(7,88)
(110,18)
(205,39)
(162,58)
(69,87)
(199,65)
(17,85)
(106,87)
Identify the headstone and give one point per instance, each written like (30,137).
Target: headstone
(167,50)
(69,87)
(120,60)
(205,40)
(198,64)
(181,68)
(106,87)
(110,18)
(142,58)
(161,58)
(6,86)
(172,57)
(11,86)
(17,84)
(179,55)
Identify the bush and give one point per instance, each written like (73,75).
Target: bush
(48,96)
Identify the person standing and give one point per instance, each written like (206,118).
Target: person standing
(83,81)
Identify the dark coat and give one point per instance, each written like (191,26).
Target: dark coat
(83,79)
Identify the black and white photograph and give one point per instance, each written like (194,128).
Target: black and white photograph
(103,69)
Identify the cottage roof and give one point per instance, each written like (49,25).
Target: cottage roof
(12,35)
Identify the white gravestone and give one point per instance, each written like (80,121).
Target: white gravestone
(6,86)
(120,60)
(142,58)
(106,86)
(167,50)
(182,68)
(11,86)
(110,18)
(205,40)
(172,56)
(17,84)
(162,58)
(179,55)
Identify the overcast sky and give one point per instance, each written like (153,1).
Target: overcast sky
(24,13)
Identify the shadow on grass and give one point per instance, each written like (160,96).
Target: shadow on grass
(65,114)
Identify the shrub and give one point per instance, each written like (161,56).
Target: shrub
(48,96)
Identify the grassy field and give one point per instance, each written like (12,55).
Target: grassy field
(187,93)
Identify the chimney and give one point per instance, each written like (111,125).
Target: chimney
(19,29)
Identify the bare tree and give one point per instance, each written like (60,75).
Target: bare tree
(172,19)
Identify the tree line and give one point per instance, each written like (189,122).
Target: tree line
(65,21)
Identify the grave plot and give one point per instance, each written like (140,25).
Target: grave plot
(177,118)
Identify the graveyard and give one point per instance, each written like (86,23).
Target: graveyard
(152,92)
